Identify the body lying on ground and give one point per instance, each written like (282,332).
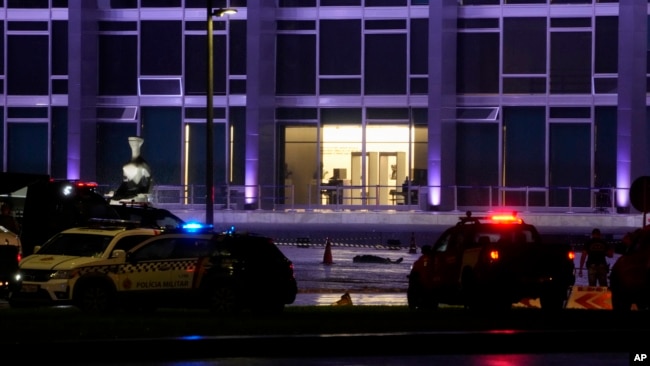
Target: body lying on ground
(369,258)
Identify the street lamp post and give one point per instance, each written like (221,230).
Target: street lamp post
(209,139)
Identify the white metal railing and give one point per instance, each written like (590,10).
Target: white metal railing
(323,196)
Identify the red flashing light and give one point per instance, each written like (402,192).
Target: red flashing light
(506,219)
(86,184)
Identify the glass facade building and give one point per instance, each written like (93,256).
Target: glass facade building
(473,102)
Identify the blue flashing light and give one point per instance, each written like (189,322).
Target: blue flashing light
(193,227)
(231,230)
(192,337)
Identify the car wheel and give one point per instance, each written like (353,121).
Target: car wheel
(223,300)
(94,298)
(415,294)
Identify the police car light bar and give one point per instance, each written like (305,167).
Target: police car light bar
(500,218)
(86,184)
(506,218)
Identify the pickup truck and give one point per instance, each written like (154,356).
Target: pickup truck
(492,263)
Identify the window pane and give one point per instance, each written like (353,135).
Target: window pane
(28,4)
(162,124)
(524,45)
(59,47)
(2,47)
(419,37)
(478,63)
(570,22)
(385,2)
(391,144)
(298,149)
(59,142)
(118,60)
(113,151)
(340,2)
(524,138)
(385,24)
(340,47)
(605,147)
(196,159)
(419,85)
(161,3)
(296,3)
(606,61)
(340,86)
(296,64)
(28,60)
(237,39)
(478,163)
(570,62)
(382,77)
(27,147)
(570,162)
(481,2)
(513,85)
(196,65)
(161,46)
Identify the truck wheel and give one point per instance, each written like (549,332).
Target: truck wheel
(95,298)
(621,299)
(223,300)
(552,301)
(621,302)
(418,297)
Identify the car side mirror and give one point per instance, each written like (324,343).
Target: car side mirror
(118,253)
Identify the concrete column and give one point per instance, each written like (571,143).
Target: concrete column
(442,102)
(260,99)
(633,139)
(82,89)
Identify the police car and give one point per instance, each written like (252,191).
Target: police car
(73,265)
(224,272)
(221,271)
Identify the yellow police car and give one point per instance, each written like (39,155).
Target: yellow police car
(202,268)
(71,266)
(179,268)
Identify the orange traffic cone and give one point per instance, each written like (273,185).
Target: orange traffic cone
(345,300)
(413,249)
(327,257)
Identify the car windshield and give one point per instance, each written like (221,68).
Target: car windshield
(79,245)
(497,234)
